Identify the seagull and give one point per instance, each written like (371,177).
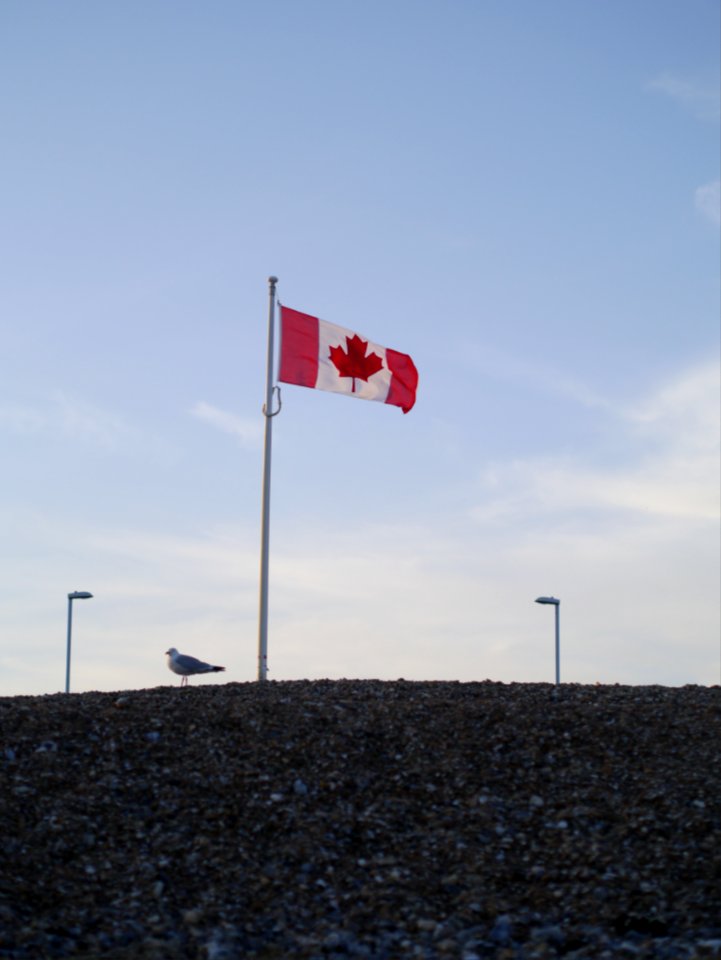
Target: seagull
(186,666)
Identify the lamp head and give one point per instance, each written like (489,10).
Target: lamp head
(552,600)
(79,595)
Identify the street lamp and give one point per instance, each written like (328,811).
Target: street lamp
(557,604)
(76,595)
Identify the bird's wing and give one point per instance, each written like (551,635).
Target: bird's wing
(191,664)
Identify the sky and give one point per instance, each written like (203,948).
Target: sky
(522,196)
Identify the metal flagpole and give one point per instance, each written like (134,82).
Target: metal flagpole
(265,525)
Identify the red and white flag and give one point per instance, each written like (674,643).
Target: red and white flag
(318,354)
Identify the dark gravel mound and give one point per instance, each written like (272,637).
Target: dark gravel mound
(362,819)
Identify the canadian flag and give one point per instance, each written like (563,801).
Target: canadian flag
(318,354)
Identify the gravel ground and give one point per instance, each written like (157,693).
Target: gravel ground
(362,819)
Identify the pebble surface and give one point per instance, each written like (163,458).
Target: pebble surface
(362,819)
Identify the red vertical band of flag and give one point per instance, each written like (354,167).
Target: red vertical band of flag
(404,381)
(393,378)
(299,348)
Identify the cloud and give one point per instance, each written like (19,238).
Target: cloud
(671,487)
(511,368)
(87,421)
(701,99)
(208,563)
(426,601)
(674,474)
(708,201)
(683,413)
(248,431)
(69,417)
(631,549)
(19,419)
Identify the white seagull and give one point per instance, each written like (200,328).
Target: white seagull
(187,666)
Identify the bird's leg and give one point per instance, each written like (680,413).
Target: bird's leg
(184,682)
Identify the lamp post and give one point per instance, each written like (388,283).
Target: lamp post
(557,604)
(76,595)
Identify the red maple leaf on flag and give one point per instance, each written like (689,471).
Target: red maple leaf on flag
(354,363)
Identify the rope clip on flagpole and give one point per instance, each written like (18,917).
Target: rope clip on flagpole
(276,391)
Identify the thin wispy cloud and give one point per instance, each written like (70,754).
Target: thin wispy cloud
(661,486)
(508,368)
(675,473)
(248,431)
(701,99)
(338,602)
(20,419)
(87,421)
(220,556)
(71,417)
(684,412)
(708,201)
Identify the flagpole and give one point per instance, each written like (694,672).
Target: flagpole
(265,524)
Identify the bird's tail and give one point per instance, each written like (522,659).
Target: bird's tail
(217,669)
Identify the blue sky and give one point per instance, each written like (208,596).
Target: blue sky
(523,196)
